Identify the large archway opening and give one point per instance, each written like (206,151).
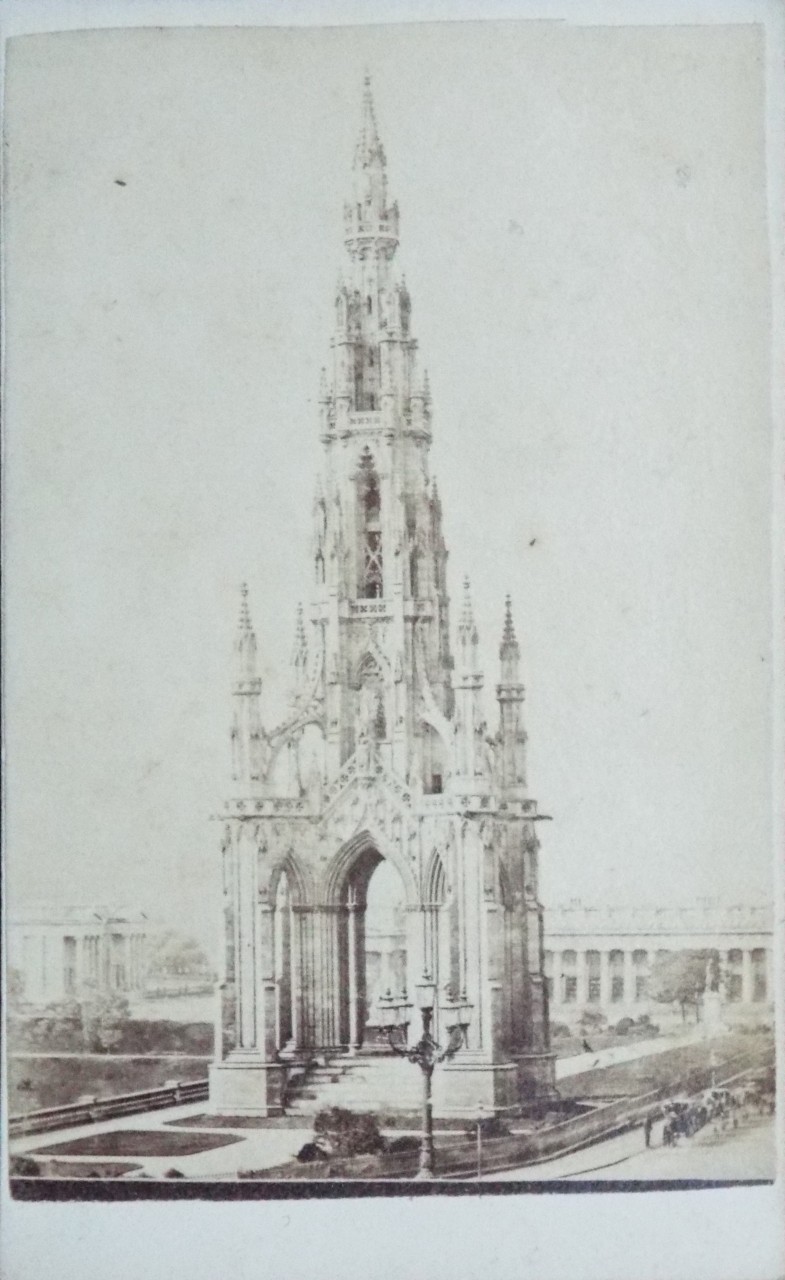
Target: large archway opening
(385,942)
(373,948)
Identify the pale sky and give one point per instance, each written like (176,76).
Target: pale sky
(583,226)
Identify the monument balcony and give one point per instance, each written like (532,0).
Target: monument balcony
(377,607)
(267,807)
(368,419)
(355,226)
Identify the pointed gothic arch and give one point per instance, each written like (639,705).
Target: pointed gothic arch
(434,883)
(289,867)
(344,861)
(345,895)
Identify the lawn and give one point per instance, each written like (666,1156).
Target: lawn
(36,1083)
(667,1068)
(139,1142)
(73,1169)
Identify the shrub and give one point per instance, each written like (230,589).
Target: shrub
(311,1151)
(593,1018)
(174,1173)
(23,1167)
(624,1026)
(407,1142)
(559,1030)
(490,1127)
(349,1133)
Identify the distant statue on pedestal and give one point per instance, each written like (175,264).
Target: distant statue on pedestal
(712,998)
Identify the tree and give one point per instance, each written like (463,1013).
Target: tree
(679,977)
(348,1133)
(593,1019)
(173,955)
(15,989)
(103,1015)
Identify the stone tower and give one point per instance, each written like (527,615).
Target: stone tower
(385,753)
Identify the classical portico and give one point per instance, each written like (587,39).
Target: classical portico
(602,958)
(62,952)
(386,758)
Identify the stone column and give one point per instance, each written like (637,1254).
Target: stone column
(415,958)
(605,981)
(650,957)
(79,964)
(266,984)
(746,976)
(556,972)
(303,1012)
(628,997)
(218,1021)
(725,964)
(580,971)
(354,1012)
(326,975)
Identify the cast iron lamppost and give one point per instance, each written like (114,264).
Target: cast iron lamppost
(394,1016)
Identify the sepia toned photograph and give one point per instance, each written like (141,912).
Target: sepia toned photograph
(389,672)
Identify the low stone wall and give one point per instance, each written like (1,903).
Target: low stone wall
(457,1158)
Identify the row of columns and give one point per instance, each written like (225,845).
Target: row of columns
(54,963)
(639,962)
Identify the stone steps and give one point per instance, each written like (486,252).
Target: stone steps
(361,1084)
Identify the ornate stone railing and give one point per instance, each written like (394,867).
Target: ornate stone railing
(362,608)
(367,418)
(268,806)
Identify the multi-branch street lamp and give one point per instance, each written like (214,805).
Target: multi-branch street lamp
(394,1021)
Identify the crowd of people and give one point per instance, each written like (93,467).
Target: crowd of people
(721,1107)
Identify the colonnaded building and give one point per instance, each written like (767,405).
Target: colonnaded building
(386,769)
(59,951)
(603,958)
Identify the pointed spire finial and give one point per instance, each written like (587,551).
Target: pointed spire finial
(467,629)
(369,148)
(509,626)
(245,615)
(245,640)
(509,650)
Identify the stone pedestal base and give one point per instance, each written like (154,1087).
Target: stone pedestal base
(712,1013)
(463,1088)
(536,1076)
(244,1086)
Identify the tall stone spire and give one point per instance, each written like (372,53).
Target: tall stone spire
(510,695)
(386,734)
(246,734)
(368,220)
(509,649)
(245,642)
(468,637)
(469,722)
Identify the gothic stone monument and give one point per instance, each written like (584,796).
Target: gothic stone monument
(386,753)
